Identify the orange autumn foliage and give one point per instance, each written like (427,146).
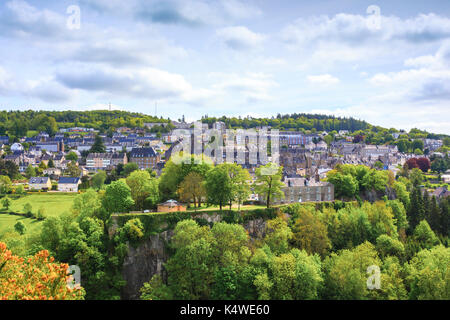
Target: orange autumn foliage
(34,278)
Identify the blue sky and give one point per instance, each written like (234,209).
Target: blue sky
(256,58)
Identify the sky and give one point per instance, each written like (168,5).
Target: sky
(386,62)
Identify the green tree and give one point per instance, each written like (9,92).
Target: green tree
(117,198)
(6,202)
(278,235)
(218,186)
(143,188)
(129,168)
(20,228)
(98,146)
(192,188)
(5,184)
(98,180)
(429,274)
(72,156)
(30,171)
(310,233)
(268,182)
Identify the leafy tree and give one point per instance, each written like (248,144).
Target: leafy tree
(424,164)
(278,235)
(268,182)
(5,184)
(129,168)
(388,246)
(98,146)
(143,188)
(27,208)
(20,227)
(218,186)
(30,171)
(98,179)
(117,198)
(86,203)
(73,170)
(38,277)
(429,275)
(192,188)
(310,233)
(6,202)
(72,156)
(346,273)
(425,236)
(345,185)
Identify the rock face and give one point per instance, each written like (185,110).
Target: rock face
(148,258)
(143,262)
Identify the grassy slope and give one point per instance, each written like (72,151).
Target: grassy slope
(54,204)
(8,221)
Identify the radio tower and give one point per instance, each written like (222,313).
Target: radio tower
(156,108)
(110,106)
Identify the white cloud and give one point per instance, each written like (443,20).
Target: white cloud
(240,37)
(325,79)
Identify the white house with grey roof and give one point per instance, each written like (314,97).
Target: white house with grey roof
(39,183)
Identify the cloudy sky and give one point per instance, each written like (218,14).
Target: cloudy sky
(387,62)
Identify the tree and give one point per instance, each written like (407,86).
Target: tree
(51,164)
(38,277)
(20,227)
(73,170)
(30,171)
(412,163)
(218,186)
(27,208)
(98,146)
(6,202)
(86,203)
(278,235)
(5,184)
(417,144)
(98,179)
(425,236)
(424,164)
(143,188)
(192,188)
(428,274)
(268,182)
(310,233)
(117,198)
(72,156)
(416,177)
(345,185)
(129,168)
(346,273)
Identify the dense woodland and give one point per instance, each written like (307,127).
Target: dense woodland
(313,252)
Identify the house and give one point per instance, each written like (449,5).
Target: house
(311,191)
(119,158)
(145,157)
(68,184)
(445,178)
(52,146)
(58,160)
(98,161)
(16,147)
(40,183)
(441,192)
(171,206)
(54,172)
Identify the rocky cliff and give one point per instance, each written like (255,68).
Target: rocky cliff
(149,257)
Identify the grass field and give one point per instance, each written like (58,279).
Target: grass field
(7,222)
(53,203)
